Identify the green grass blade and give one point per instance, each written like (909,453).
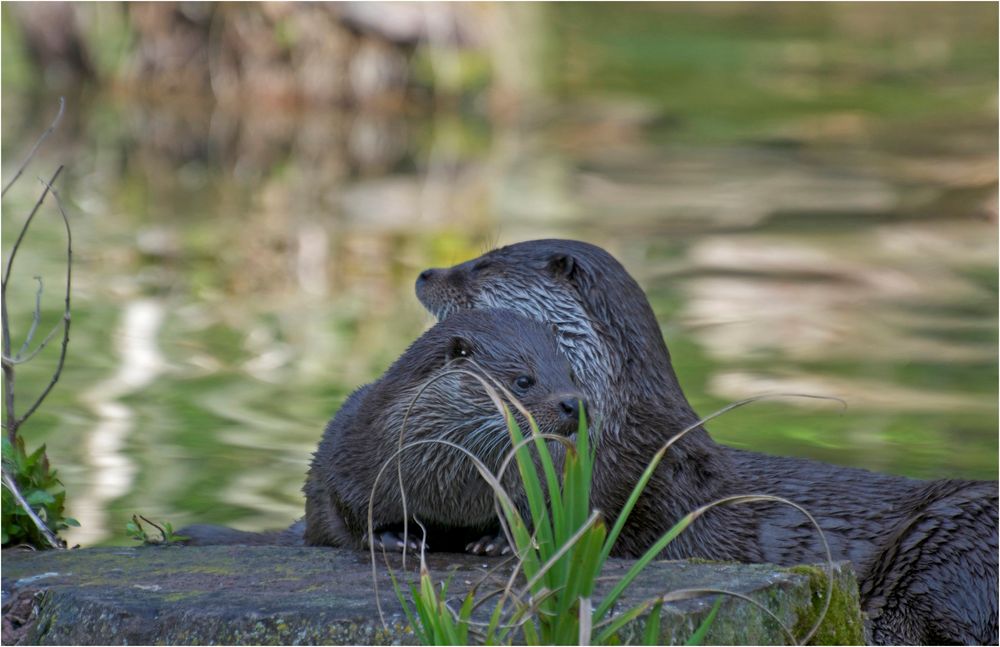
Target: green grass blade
(651,635)
(640,564)
(586,453)
(699,634)
(418,628)
(425,617)
(492,638)
(627,508)
(620,621)
(549,469)
(532,486)
(588,562)
(530,634)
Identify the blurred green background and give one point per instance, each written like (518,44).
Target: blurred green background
(807,192)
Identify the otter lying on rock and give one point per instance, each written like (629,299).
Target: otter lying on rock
(443,488)
(925,551)
(444,491)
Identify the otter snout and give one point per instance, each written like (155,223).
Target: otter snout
(439,289)
(568,407)
(427,275)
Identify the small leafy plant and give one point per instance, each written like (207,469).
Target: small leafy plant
(42,490)
(33,497)
(138,532)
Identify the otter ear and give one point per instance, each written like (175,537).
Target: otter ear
(562,265)
(458,347)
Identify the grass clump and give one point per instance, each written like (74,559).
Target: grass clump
(562,551)
(561,554)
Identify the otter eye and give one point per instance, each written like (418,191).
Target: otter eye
(524,382)
(481,265)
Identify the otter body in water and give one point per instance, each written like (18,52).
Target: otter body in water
(444,491)
(925,551)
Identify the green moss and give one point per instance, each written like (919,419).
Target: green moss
(842,624)
(181,595)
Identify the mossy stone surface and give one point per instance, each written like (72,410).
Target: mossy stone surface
(265,595)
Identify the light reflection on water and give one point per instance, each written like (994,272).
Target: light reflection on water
(113,471)
(238,275)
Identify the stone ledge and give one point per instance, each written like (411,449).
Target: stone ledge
(302,596)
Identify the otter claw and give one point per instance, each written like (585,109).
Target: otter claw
(393,541)
(491,545)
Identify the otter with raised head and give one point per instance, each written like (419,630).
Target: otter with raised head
(429,395)
(925,551)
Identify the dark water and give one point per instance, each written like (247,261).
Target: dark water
(808,198)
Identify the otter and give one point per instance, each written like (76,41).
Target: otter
(444,491)
(925,551)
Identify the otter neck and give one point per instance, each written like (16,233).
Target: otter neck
(625,366)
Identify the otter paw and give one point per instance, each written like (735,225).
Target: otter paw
(392,541)
(491,545)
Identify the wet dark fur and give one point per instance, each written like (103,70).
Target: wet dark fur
(925,552)
(443,489)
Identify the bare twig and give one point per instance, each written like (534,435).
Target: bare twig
(163,533)
(34,149)
(11,484)
(66,312)
(8,377)
(19,359)
(36,317)
(24,230)
(11,422)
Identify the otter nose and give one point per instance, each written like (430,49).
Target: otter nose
(570,408)
(426,275)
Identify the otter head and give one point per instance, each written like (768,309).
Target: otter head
(601,318)
(515,356)
(437,391)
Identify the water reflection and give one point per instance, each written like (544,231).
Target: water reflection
(111,468)
(265,252)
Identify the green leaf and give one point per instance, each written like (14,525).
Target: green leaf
(8,449)
(39,497)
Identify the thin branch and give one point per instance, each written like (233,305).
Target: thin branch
(163,533)
(36,317)
(18,359)
(50,536)
(66,312)
(34,149)
(24,230)
(10,423)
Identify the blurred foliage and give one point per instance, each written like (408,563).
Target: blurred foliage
(41,488)
(745,69)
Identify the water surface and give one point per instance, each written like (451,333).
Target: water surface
(810,206)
